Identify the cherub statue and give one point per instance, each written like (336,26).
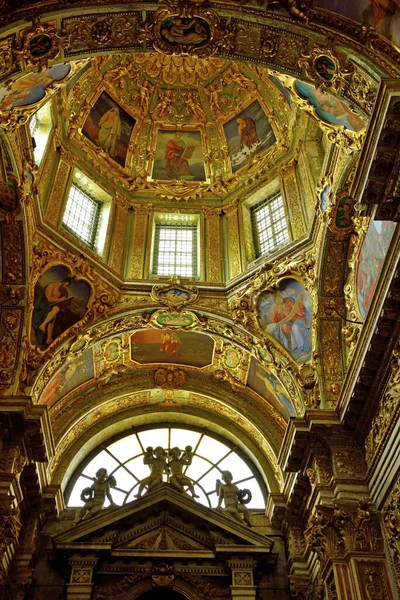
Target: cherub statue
(176,463)
(234,499)
(95,495)
(156,459)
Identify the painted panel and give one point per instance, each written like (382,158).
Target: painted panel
(60,302)
(370,261)
(31,88)
(329,108)
(73,374)
(179,155)
(109,127)
(175,347)
(268,386)
(286,315)
(248,134)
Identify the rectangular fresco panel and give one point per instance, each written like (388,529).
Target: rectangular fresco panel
(179,155)
(247,134)
(174,347)
(109,127)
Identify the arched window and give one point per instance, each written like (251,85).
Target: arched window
(40,127)
(123,458)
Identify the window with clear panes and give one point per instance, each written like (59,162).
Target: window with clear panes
(81,216)
(211,455)
(269,224)
(175,250)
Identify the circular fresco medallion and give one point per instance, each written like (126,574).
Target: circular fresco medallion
(40,45)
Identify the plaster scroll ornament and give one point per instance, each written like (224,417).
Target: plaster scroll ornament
(95,495)
(157,460)
(179,459)
(235,500)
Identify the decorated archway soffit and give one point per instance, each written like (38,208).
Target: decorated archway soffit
(247,355)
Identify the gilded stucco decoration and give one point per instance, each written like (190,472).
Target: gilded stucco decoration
(391,521)
(323,68)
(174,295)
(187,28)
(387,412)
(39,44)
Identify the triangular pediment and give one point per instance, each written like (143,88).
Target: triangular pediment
(161,523)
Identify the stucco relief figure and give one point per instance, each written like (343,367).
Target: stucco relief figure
(233,498)
(248,133)
(110,131)
(176,163)
(184,31)
(95,495)
(53,300)
(157,461)
(176,462)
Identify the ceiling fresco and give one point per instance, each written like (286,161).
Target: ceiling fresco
(202,111)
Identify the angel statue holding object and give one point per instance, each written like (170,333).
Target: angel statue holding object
(233,498)
(176,463)
(156,459)
(95,495)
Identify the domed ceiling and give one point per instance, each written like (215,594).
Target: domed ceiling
(230,117)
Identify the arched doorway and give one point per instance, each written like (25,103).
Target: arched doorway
(162,593)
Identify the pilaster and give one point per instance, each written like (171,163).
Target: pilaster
(212,216)
(242,587)
(140,227)
(80,586)
(121,206)
(292,201)
(233,240)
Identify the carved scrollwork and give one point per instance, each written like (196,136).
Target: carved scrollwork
(174,295)
(40,43)
(187,30)
(323,68)
(333,532)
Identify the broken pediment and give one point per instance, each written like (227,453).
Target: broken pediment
(162,523)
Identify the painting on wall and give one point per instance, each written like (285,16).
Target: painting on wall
(170,346)
(109,127)
(32,87)
(74,373)
(370,261)
(384,16)
(248,134)
(268,386)
(286,315)
(60,302)
(179,155)
(344,212)
(329,108)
